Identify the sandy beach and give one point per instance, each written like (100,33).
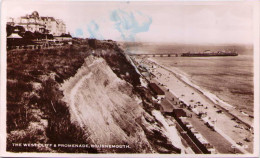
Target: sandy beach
(232,130)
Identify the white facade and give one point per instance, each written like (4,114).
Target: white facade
(35,23)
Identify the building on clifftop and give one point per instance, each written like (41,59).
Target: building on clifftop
(35,23)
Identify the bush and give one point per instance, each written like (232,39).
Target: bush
(28,66)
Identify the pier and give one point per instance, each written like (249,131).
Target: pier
(155,54)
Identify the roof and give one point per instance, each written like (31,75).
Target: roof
(24,17)
(66,35)
(167,106)
(179,113)
(14,35)
(46,18)
(59,21)
(156,89)
(35,13)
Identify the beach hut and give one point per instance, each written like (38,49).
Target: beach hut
(208,123)
(160,94)
(167,107)
(179,113)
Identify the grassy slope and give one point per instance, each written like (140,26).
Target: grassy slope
(35,110)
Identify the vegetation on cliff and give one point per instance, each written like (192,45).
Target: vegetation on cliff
(36,112)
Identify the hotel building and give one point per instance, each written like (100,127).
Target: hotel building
(36,23)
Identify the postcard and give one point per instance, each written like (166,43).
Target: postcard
(113,78)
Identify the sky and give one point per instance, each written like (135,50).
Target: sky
(147,21)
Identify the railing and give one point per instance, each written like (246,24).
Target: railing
(33,47)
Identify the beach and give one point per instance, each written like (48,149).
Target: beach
(226,119)
(228,79)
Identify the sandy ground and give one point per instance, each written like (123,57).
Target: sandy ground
(171,131)
(229,129)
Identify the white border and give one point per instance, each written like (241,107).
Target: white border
(255,3)
(256,75)
(3,84)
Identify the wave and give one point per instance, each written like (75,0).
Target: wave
(212,97)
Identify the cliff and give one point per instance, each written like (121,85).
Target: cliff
(81,95)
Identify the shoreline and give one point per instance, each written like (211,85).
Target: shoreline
(208,95)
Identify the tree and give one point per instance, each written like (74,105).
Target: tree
(50,36)
(38,35)
(21,30)
(9,30)
(29,35)
(65,35)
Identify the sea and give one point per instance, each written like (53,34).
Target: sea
(230,78)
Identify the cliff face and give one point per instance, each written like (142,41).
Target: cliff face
(106,107)
(103,104)
(78,95)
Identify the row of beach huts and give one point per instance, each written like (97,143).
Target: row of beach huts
(193,138)
(175,108)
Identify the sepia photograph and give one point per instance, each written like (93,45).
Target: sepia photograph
(130,77)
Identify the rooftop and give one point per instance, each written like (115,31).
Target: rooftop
(156,89)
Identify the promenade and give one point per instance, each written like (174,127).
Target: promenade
(229,135)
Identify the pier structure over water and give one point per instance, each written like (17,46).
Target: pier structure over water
(155,54)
